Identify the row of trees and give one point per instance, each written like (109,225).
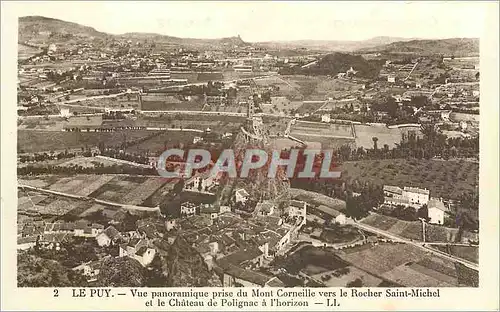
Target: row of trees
(45,156)
(77,169)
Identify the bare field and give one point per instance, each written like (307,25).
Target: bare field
(366,133)
(322,129)
(325,142)
(317,199)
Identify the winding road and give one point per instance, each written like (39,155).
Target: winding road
(420,245)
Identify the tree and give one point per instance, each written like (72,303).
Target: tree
(423,212)
(354,207)
(154,276)
(375,139)
(356,283)
(34,271)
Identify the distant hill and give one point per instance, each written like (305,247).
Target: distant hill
(52,30)
(338,62)
(331,45)
(230,41)
(447,47)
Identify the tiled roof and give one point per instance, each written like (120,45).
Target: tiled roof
(242,255)
(330,211)
(246,275)
(416,190)
(401,201)
(436,203)
(393,189)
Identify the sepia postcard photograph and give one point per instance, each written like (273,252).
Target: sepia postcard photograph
(250,144)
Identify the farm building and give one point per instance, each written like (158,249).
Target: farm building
(436,210)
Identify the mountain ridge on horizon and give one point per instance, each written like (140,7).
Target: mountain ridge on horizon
(53,28)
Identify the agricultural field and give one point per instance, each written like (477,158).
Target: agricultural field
(447,179)
(404,264)
(318,129)
(46,205)
(340,234)
(33,202)
(308,107)
(284,143)
(416,275)
(472,118)
(302,259)
(123,101)
(210,76)
(25,52)
(317,199)
(341,277)
(276,126)
(81,109)
(323,134)
(46,141)
(384,257)
(305,85)
(366,133)
(459,62)
(164,102)
(217,123)
(327,267)
(52,124)
(284,87)
(280,105)
(87,162)
(130,190)
(122,189)
(81,185)
(157,144)
(325,142)
(335,88)
(470,253)
(411,230)
(436,233)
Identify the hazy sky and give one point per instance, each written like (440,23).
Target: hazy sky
(265,21)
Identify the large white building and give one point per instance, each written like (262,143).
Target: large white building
(416,195)
(436,210)
(188,209)
(407,196)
